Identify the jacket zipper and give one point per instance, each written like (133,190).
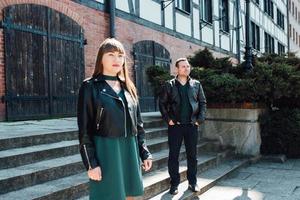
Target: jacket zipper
(123,109)
(98,122)
(87,158)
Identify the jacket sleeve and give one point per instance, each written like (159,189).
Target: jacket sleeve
(202,105)
(163,102)
(143,149)
(84,121)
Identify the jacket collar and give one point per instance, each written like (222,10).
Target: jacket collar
(108,90)
(189,79)
(100,78)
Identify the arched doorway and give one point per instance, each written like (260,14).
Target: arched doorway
(148,53)
(44,62)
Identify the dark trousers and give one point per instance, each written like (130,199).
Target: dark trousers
(176,134)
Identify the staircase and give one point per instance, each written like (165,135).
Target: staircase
(46,164)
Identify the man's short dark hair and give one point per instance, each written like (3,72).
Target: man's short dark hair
(179,60)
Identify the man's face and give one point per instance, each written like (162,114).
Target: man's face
(184,68)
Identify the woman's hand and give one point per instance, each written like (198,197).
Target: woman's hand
(95,174)
(147,164)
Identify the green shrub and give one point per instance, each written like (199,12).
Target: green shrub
(202,58)
(157,75)
(274,82)
(280,132)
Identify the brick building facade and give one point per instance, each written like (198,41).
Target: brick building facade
(95,23)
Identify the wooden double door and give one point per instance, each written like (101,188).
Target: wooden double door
(148,53)
(44,62)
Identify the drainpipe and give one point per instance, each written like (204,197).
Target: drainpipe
(288,27)
(238,42)
(248,48)
(112,16)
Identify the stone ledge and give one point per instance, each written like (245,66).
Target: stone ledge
(234,127)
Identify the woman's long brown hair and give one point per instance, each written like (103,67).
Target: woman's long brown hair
(112,45)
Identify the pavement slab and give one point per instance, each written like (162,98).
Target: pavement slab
(263,180)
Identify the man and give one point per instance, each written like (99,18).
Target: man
(183,105)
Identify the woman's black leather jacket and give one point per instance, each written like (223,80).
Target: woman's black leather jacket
(102,112)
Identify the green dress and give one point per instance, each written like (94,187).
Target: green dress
(120,164)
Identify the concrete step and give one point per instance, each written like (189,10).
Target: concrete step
(159,180)
(14,157)
(161,157)
(34,153)
(157,132)
(32,174)
(153,122)
(206,180)
(36,138)
(33,132)
(76,186)
(22,156)
(70,187)
(42,136)
(157,144)
(39,172)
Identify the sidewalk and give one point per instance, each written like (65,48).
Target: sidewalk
(23,128)
(261,181)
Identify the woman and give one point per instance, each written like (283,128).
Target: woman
(111,133)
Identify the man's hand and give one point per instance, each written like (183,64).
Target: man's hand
(171,123)
(95,174)
(147,164)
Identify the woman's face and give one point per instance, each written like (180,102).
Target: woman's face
(112,63)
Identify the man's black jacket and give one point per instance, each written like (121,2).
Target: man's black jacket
(169,101)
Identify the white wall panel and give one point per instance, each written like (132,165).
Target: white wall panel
(207,35)
(183,24)
(196,23)
(169,16)
(122,5)
(150,10)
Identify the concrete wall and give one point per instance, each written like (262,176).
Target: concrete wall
(234,127)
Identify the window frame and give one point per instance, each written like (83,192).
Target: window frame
(269,44)
(206,11)
(224,20)
(280,19)
(255,36)
(183,5)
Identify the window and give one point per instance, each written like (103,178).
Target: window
(280,19)
(281,49)
(207,10)
(269,43)
(183,5)
(268,7)
(224,19)
(293,8)
(255,36)
(290,5)
(290,30)
(293,34)
(296,38)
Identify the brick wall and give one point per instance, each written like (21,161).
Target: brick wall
(94,23)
